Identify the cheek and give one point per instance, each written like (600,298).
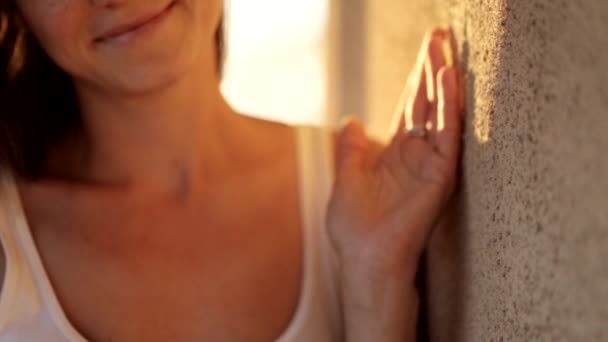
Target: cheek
(60,26)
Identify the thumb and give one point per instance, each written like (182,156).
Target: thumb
(352,145)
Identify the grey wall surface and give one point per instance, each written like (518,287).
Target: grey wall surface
(522,254)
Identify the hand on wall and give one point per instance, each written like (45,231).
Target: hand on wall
(385,202)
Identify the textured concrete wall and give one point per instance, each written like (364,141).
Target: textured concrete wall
(523,253)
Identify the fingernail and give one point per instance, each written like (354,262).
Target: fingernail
(447,53)
(439,32)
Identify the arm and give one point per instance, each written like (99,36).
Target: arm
(379,312)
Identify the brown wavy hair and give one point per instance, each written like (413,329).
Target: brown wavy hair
(38,104)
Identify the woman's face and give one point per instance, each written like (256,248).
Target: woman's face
(123,45)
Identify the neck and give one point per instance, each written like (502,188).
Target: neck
(165,140)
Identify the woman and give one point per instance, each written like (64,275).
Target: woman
(138,206)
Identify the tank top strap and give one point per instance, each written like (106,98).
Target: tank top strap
(320,296)
(28,304)
(19,296)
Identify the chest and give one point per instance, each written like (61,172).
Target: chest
(163,276)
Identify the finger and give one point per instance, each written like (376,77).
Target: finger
(452,60)
(416,104)
(434,62)
(412,86)
(451,49)
(449,123)
(352,145)
(398,120)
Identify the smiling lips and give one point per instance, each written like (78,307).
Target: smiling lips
(133,26)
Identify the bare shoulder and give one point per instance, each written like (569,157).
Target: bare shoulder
(282,137)
(265,141)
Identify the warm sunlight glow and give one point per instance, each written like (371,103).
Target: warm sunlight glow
(481,126)
(276,59)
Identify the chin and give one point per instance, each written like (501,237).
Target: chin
(143,77)
(148,61)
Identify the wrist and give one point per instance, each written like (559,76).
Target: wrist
(379,308)
(370,291)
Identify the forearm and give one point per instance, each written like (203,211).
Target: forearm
(383,310)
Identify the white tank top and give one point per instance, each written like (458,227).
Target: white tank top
(30,310)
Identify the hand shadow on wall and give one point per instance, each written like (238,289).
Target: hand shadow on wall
(443,270)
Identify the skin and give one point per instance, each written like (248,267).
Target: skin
(137,217)
(385,204)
